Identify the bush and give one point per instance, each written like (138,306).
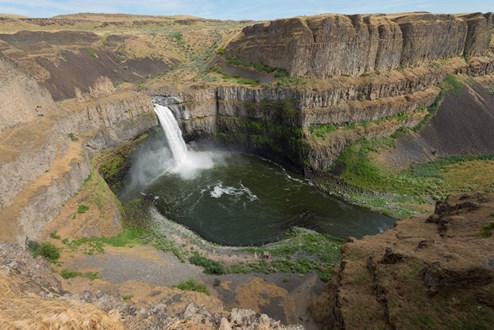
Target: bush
(47,250)
(210,266)
(487,230)
(73,137)
(67,274)
(193,285)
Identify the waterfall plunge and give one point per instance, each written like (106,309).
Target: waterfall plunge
(186,162)
(173,134)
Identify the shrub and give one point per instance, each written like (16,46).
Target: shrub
(47,250)
(54,235)
(210,266)
(193,285)
(487,230)
(73,137)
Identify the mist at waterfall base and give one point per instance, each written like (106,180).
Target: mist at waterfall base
(236,199)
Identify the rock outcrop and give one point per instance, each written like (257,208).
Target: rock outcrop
(23,100)
(32,297)
(415,274)
(335,45)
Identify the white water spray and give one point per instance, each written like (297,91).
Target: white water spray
(186,162)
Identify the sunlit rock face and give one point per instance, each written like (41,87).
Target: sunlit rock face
(337,45)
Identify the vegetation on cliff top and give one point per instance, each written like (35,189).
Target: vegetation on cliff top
(403,192)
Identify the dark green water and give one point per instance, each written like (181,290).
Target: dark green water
(246,200)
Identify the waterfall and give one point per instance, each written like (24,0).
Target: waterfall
(173,134)
(186,162)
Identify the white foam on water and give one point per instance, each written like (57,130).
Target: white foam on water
(220,190)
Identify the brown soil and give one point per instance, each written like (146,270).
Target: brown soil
(103,219)
(432,273)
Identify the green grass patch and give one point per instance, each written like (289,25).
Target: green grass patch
(322,130)
(261,67)
(127,297)
(193,285)
(217,74)
(129,236)
(54,235)
(95,245)
(304,252)
(68,274)
(178,37)
(92,275)
(91,52)
(82,209)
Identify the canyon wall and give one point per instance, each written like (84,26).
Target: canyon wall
(46,158)
(335,45)
(309,127)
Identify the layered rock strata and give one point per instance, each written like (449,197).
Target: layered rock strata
(335,45)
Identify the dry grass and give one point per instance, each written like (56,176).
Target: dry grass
(21,310)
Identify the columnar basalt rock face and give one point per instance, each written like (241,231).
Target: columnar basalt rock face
(479,33)
(430,37)
(352,45)
(336,45)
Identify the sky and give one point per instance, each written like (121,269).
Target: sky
(239,9)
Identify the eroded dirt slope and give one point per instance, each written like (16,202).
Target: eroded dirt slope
(462,126)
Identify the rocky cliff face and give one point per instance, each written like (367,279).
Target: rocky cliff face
(336,45)
(18,107)
(430,273)
(288,122)
(50,162)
